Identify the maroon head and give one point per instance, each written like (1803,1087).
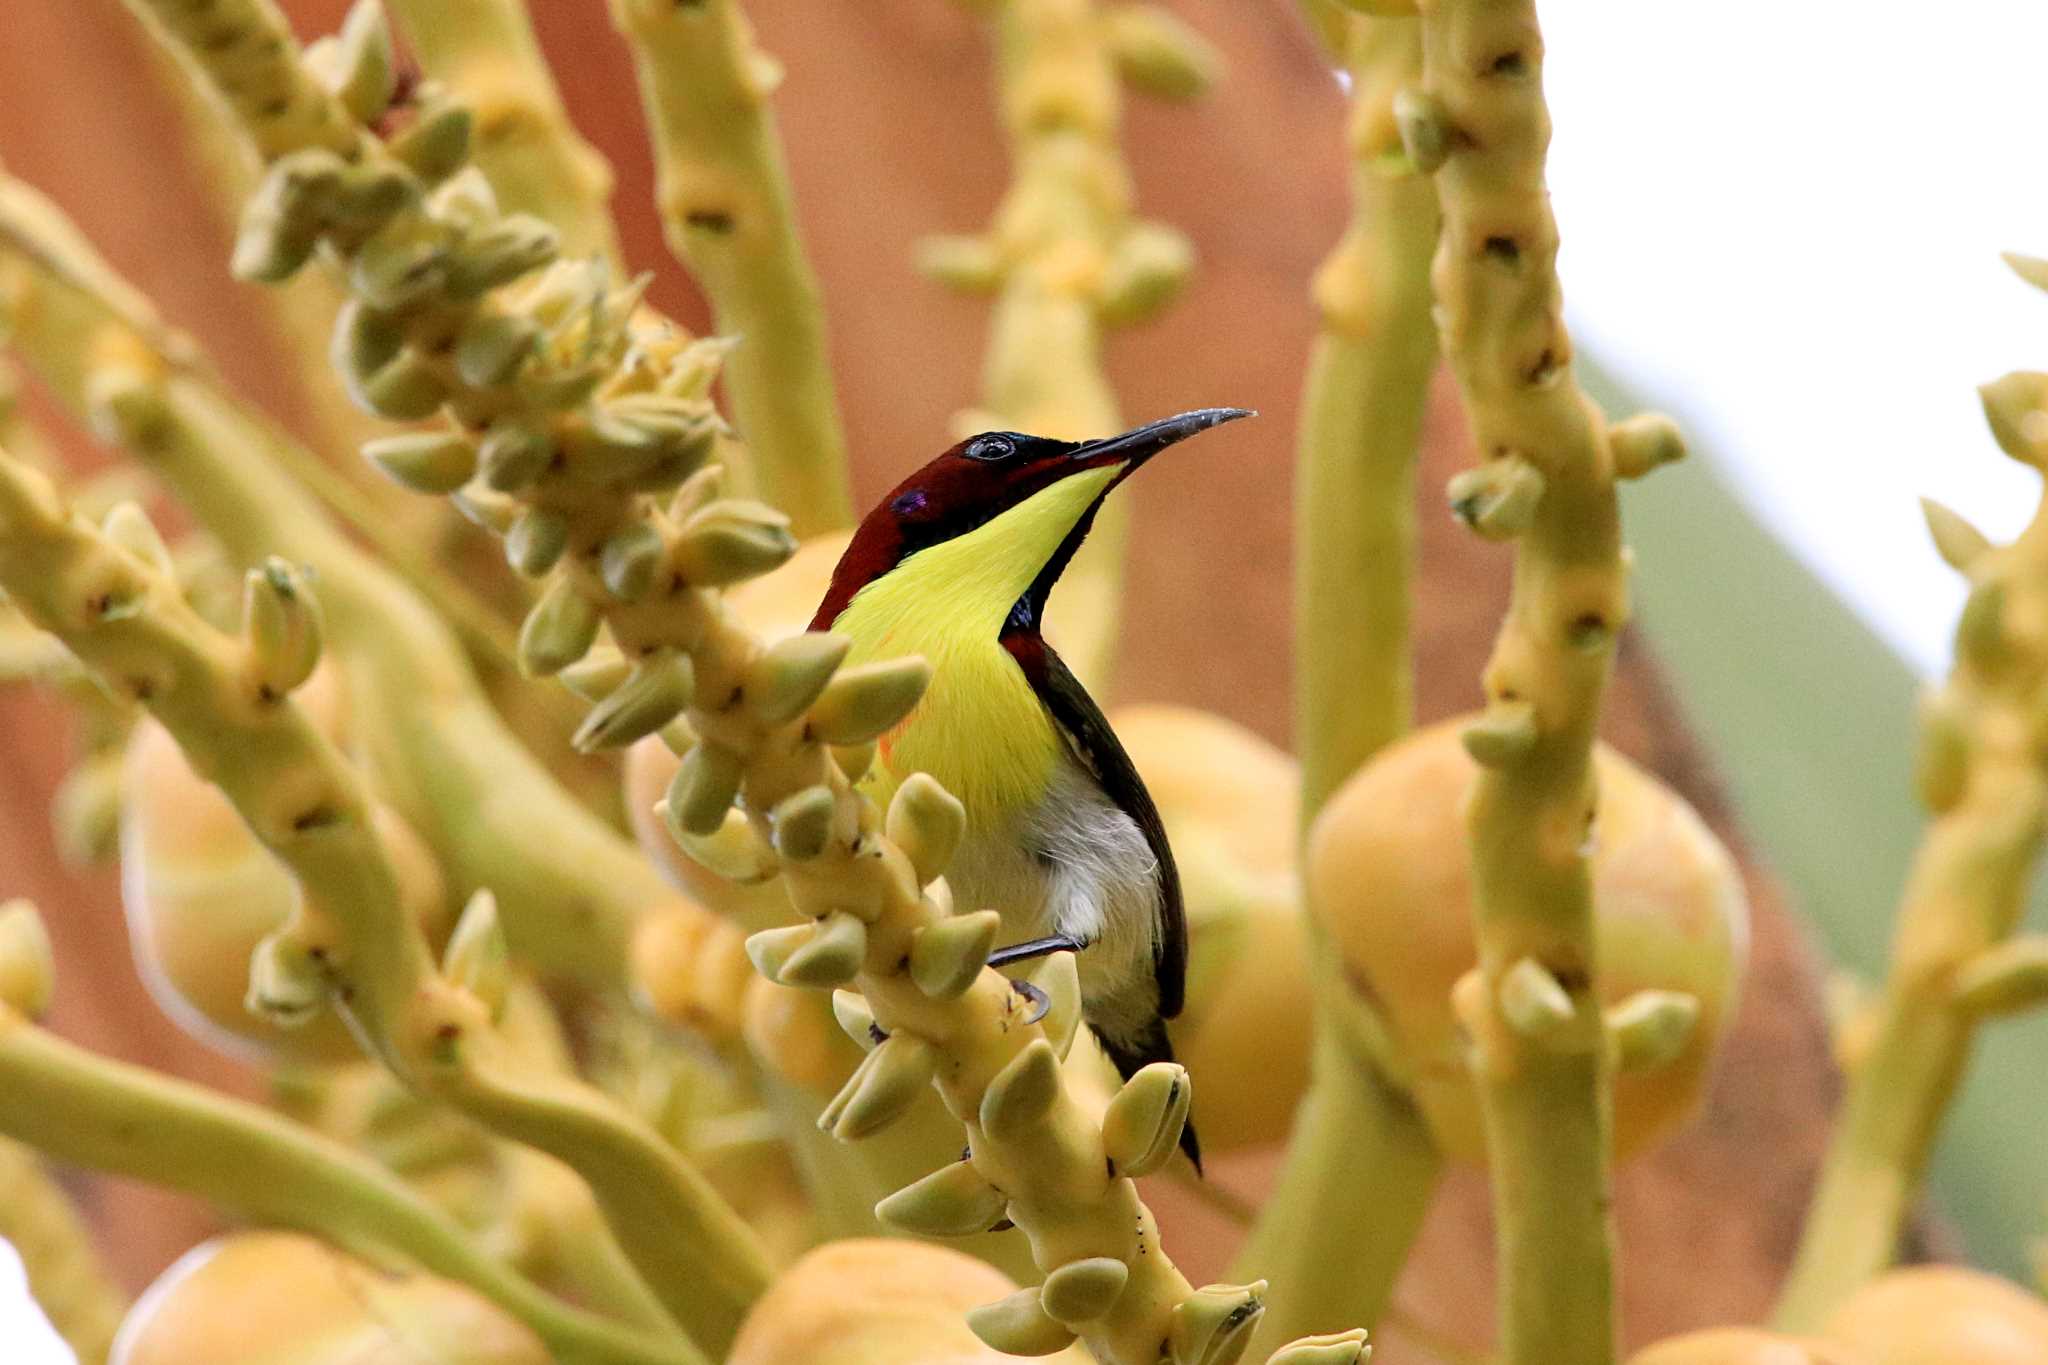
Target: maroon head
(981,478)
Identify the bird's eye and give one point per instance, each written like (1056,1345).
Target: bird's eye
(990,448)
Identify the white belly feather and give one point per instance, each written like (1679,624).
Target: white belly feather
(1074,863)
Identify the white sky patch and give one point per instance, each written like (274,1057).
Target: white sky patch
(1782,222)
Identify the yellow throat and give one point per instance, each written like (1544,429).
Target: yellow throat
(980,729)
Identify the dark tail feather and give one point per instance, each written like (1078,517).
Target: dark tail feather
(1148,1047)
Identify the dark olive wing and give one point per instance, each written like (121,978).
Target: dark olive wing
(1088,734)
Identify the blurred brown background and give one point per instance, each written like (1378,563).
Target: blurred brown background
(887,116)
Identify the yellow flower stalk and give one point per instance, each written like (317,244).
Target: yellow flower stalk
(351,944)
(570,889)
(110,1116)
(1983,774)
(1066,259)
(1360,1155)
(1540,1050)
(485,54)
(729,214)
(65,1275)
(1368,383)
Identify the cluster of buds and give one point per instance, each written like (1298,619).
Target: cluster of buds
(580,426)
(1066,226)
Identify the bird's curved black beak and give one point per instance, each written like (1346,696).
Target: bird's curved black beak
(1140,444)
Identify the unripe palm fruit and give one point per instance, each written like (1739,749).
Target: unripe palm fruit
(279,1298)
(1389,878)
(1743,1346)
(1230,801)
(1943,1313)
(776,605)
(201,893)
(876,1302)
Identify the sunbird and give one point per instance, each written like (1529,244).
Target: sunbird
(1062,838)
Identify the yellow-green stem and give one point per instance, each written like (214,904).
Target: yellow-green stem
(124,618)
(1360,1157)
(1983,773)
(1547,480)
(485,52)
(66,1277)
(729,214)
(1368,385)
(112,1117)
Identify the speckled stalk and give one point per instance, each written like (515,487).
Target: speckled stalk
(728,213)
(122,1119)
(1955,963)
(351,940)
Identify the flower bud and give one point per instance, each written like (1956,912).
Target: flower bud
(702,791)
(927,822)
(660,686)
(1646,441)
(770,949)
(1022,1093)
(1498,499)
(358,64)
(1955,539)
(437,144)
(558,631)
(130,528)
(477,957)
(888,1081)
(1159,54)
(281,628)
(1083,1290)
(1056,975)
(803,823)
(632,561)
(500,253)
(514,456)
(1424,127)
(1146,270)
(401,263)
(408,389)
(597,674)
(424,461)
(1213,1325)
(491,348)
(1019,1326)
(946,957)
(1141,1127)
(862,703)
(730,540)
(972,265)
(1651,1028)
(536,540)
(953,1201)
(1329,1348)
(1534,1004)
(791,673)
(2016,409)
(281,223)
(28,971)
(831,957)
(287,984)
(733,850)
(1502,735)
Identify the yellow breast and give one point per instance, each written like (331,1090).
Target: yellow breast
(980,729)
